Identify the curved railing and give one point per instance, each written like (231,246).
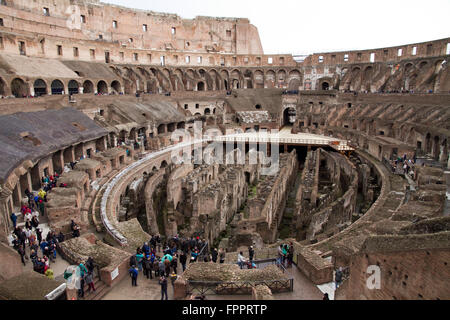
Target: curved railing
(110,228)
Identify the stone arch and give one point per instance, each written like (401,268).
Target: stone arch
(152,85)
(162,128)
(163,164)
(116,71)
(123,135)
(294,80)
(116,86)
(235,79)
(178,73)
(281,78)
(166,72)
(207,111)
(225,79)
(258,77)
(436,147)
(171,127)
(88,87)
(102,87)
(289,115)
(215,79)
(409,67)
(444,152)
(190,73)
(73,87)
(201,86)
(129,86)
(325,83)
(367,78)
(57,87)
(354,79)
(40,88)
(19,88)
(178,84)
(270,79)
(136,81)
(428,144)
(248,78)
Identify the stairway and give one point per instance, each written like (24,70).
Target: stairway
(101,289)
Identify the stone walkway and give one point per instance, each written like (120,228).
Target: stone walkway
(304,289)
(147,289)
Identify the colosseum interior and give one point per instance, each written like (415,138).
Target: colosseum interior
(145,123)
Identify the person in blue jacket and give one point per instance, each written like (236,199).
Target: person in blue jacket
(134,275)
(14,219)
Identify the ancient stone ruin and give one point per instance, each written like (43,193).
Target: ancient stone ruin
(154,124)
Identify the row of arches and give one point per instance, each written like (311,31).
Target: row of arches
(426,143)
(40,87)
(157,80)
(416,76)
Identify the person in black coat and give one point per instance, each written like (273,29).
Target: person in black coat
(22,237)
(174,263)
(39,235)
(148,266)
(214,255)
(60,237)
(163,284)
(251,253)
(35,222)
(183,259)
(90,264)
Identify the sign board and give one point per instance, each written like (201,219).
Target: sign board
(114,273)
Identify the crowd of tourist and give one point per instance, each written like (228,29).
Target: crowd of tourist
(403,165)
(161,259)
(41,250)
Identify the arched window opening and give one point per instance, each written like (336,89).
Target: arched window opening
(57,87)
(102,87)
(88,87)
(73,87)
(40,88)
